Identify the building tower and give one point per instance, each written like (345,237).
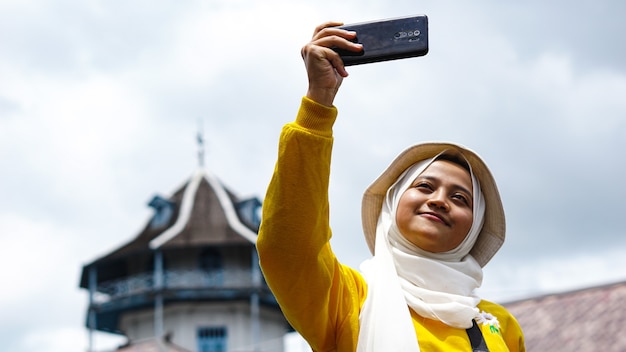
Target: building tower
(190,280)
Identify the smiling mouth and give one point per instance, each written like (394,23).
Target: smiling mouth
(436,217)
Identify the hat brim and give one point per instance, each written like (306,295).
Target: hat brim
(490,238)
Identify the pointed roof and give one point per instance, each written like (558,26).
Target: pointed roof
(200,213)
(590,319)
(206,207)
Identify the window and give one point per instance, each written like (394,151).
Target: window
(212,339)
(163,211)
(249,212)
(210,261)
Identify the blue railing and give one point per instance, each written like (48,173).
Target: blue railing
(174,280)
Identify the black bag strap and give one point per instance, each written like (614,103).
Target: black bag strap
(476,338)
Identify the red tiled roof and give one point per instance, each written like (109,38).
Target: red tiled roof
(592,319)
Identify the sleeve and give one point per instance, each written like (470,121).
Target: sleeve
(315,292)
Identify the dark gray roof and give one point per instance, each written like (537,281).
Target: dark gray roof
(204,213)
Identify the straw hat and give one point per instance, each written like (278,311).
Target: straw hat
(490,238)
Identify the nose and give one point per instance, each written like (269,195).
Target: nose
(438,200)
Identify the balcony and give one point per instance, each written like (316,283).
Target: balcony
(111,299)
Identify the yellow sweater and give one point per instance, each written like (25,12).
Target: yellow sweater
(321,297)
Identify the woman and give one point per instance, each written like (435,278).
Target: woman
(432,220)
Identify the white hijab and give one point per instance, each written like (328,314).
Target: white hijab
(437,286)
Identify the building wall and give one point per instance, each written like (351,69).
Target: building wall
(183,320)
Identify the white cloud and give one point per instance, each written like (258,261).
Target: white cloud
(27,248)
(586,103)
(519,279)
(67,339)
(55,339)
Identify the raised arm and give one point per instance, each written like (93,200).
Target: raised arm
(293,242)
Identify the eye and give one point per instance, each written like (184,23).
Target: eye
(423,185)
(462,198)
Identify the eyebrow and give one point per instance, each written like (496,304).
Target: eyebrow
(455,186)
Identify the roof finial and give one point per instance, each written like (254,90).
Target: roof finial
(200,140)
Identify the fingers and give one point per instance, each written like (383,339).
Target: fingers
(324,65)
(327,37)
(325,25)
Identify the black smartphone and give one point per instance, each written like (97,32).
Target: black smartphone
(388,39)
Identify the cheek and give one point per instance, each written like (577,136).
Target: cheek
(408,201)
(409,198)
(405,208)
(466,219)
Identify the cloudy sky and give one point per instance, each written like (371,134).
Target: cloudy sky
(100,103)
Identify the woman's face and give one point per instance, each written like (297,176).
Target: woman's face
(436,212)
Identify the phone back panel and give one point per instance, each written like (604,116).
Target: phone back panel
(389,39)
